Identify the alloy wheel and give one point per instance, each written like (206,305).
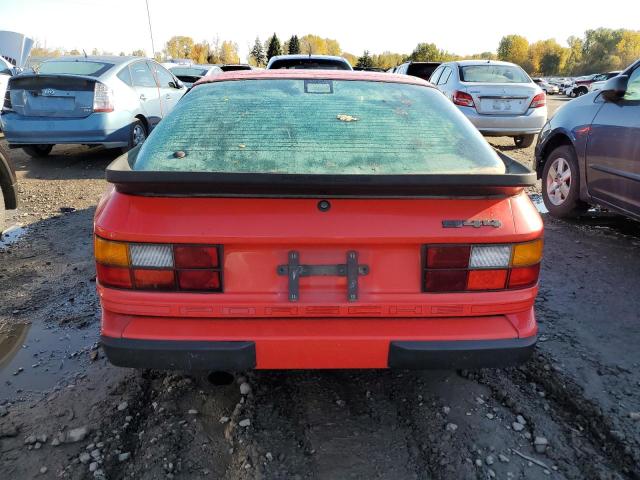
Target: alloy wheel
(559,181)
(139,135)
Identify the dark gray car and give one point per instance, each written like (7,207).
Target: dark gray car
(589,152)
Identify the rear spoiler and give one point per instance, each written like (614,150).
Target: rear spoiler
(215,184)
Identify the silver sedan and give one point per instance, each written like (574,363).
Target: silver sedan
(499,98)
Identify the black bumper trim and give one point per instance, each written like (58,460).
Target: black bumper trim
(179,355)
(460,354)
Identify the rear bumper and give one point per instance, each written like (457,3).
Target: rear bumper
(318,343)
(528,123)
(108,129)
(239,355)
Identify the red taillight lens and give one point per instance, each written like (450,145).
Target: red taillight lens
(487,279)
(114,276)
(524,276)
(152,279)
(102,98)
(199,280)
(195,256)
(463,99)
(540,100)
(157,266)
(446,280)
(448,257)
(483,267)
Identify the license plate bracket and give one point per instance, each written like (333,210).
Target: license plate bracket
(351,269)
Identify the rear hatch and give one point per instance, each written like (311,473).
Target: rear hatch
(66,96)
(501,98)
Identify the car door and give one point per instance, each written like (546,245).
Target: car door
(145,86)
(613,150)
(436,75)
(170,88)
(444,85)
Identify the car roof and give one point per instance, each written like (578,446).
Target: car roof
(115,59)
(314,74)
(302,56)
(466,63)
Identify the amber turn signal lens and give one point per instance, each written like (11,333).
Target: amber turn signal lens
(111,253)
(525,254)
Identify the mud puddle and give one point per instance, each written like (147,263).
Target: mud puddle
(35,358)
(11,235)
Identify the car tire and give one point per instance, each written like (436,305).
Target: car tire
(561,183)
(524,141)
(37,151)
(2,214)
(137,135)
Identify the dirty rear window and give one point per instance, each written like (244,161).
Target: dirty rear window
(298,126)
(57,67)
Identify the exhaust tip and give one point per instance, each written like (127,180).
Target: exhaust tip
(220,378)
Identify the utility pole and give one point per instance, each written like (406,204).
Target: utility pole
(153,48)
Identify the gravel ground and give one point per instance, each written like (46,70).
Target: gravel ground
(572,412)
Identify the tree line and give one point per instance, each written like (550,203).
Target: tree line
(598,50)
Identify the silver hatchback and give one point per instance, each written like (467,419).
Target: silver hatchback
(499,98)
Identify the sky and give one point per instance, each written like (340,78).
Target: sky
(461,26)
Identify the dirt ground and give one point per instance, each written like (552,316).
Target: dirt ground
(572,412)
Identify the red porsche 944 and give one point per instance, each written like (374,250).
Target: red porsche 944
(315,219)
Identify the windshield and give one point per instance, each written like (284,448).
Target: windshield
(493,74)
(313,126)
(78,67)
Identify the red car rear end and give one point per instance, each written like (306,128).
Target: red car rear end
(294,220)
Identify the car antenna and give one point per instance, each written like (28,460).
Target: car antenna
(85,53)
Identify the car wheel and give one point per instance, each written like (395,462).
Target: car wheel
(581,92)
(37,151)
(524,141)
(561,183)
(137,135)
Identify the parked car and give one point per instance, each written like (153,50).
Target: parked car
(589,152)
(498,97)
(580,86)
(547,87)
(8,186)
(599,80)
(232,67)
(291,227)
(95,100)
(421,70)
(190,74)
(313,62)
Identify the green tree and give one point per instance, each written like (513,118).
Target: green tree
(514,49)
(574,55)
(257,55)
(425,52)
(274,47)
(365,61)
(294,45)
(599,52)
(139,53)
(75,51)
(179,47)
(386,60)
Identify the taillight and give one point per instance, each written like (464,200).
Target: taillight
(540,100)
(464,268)
(7,105)
(164,267)
(463,99)
(102,98)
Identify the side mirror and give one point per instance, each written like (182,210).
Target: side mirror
(615,88)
